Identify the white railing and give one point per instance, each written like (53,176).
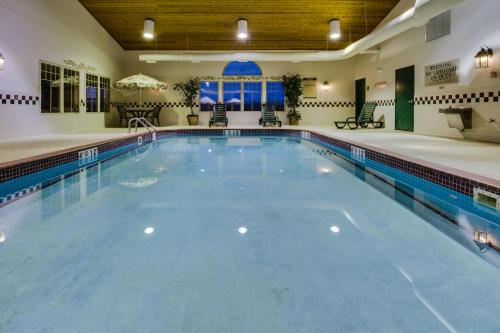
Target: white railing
(144,122)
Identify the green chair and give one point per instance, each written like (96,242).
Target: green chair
(154,115)
(219,115)
(365,118)
(269,116)
(124,115)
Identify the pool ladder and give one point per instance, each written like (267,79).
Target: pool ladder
(144,122)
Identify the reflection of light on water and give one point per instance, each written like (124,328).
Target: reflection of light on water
(426,303)
(2,236)
(335,229)
(242,230)
(351,219)
(149,230)
(202,170)
(140,183)
(160,170)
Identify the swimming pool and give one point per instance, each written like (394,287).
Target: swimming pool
(239,234)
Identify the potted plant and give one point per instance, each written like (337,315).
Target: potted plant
(293,92)
(189,90)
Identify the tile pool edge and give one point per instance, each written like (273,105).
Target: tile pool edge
(457,180)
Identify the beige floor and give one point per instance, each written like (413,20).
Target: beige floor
(479,158)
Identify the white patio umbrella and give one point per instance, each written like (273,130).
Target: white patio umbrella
(233,100)
(207,100)
(139,82)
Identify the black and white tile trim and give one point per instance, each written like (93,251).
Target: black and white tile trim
(20,194)
(326,104)
(383,102)
(152,104)
(481,97)
(15,99)
(307,104)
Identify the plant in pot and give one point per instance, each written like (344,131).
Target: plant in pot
(189,91)
(293,91)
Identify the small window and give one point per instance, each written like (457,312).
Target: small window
(50,88)
(105,94)
(71,90)
(209,95)
(276,95)
(242,68)
(92,84)
(252,96)
(232,96)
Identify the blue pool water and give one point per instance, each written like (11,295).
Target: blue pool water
(242,234)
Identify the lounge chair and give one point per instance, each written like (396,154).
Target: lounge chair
(218,115)
(269,116)
(154,115)
(365,118)
(124,115)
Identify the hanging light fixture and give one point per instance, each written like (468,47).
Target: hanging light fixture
(2,61)
(242,29)
(335,29)
(325,86)
(149,29)
(484,57)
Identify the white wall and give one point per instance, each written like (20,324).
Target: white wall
(338,74)
(50,30)
(474,24)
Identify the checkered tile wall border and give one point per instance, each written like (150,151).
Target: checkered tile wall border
(327,104)
(152,104)
(481,97)
(307,104)
(16,99)
(384,102)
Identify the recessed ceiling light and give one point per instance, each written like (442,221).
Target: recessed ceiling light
(242,230)
(149,230)
(202,170)
(149,29)
(242,29)
(335,29)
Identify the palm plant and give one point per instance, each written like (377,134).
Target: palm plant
(293,92)
(189,90)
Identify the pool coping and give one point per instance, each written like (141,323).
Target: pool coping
(455,179)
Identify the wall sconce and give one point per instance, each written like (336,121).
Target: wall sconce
(2,62)
(481,239)
(379,70)
(484,58)
(325,86)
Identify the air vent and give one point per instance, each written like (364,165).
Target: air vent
(438,26)
(486,198)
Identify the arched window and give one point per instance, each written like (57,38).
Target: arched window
(242,68)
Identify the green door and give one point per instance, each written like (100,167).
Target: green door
(360,95)
(405,89)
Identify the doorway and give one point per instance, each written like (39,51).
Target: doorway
(405,90)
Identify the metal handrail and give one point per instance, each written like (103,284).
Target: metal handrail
(144,122)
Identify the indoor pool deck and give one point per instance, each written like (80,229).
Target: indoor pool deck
(466,157)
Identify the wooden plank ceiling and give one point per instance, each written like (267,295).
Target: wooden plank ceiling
(211,24)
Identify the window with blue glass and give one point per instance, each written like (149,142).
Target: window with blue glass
(209,95)
(232,96)
(276,95)
(252,96)
(242,68)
